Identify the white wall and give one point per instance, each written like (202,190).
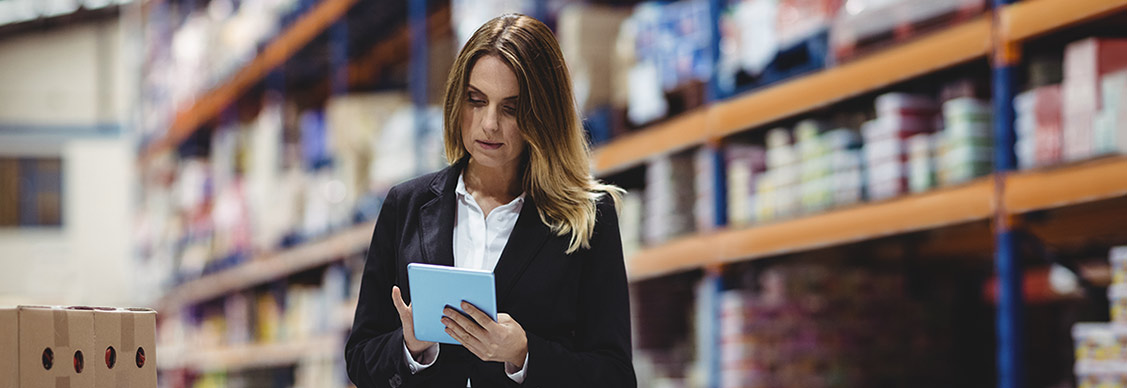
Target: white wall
(66,82)
(67,76)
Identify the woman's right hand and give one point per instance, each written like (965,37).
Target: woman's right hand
(414,346)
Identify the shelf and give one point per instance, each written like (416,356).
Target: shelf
(252,356)
(1030,18)
(959,44)
(1051,188)
(677,133)
(1059,186)
(911,213)
(952,46)
(208,105)
(271,267)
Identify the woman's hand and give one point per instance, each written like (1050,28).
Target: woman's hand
(502,341)
(414,346)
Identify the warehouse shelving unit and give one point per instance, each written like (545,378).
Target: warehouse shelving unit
(267,267)
(1004,194)
(253,356)
(270,267)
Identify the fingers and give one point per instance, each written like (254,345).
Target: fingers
(453,317)
(480,317)
(397,298)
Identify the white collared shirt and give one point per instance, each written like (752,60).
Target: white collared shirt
(478,243)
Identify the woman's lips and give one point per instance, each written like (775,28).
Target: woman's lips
(488,145)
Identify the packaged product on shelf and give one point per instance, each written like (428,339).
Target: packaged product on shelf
(45,345)
(849,180)
(776,193)
(1093,341)
(1038,125)
(747,39)
(745,165)
(815,188)
(1118,259)
(1085,62)
(583,33)
(921,173)
(899,117)
(805,316)
(669,197)
(965,149)
(801,19)
(671,46)
(630,223)
(355,124)
(1117,297)
(864,22)
(705,161)
(1111,121)
(268,200)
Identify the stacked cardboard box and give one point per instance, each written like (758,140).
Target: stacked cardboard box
(77,347)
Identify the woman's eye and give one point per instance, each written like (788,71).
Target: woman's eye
(475,101)
(510,109)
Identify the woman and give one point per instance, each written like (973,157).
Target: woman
(517,199)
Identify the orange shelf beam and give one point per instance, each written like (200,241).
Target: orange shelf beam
(250,356)
(1030,18)
(948,206)
(1066,185)
(677,133)
(270,267)
(211,104)
(946,48)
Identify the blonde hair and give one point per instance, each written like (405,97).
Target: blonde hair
(556,172)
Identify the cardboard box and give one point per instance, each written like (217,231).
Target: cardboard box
(46,347)
(70,347)
(140,348)
(124,342)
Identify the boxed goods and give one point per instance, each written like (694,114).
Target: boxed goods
(126,338)
(1085,62)
(77,347)
(965,149)
(55,347)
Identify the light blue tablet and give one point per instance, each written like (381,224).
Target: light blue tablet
(433,287)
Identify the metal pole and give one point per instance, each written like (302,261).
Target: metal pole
(1010,313)
(417,74)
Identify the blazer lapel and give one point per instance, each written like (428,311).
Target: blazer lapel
(529,234)
(436,219)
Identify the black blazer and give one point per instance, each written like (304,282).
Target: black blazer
(574,308)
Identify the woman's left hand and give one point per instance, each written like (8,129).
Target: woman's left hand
(503,341)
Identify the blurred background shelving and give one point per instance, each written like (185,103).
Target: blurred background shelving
(822,193)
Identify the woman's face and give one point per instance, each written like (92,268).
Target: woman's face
(489,117)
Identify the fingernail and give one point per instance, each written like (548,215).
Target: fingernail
(465,304)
